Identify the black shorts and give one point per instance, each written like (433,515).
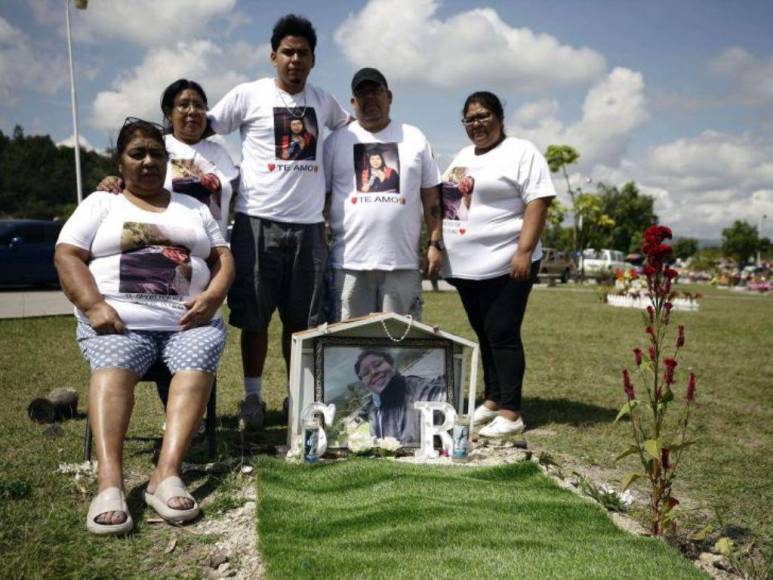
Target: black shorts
(278,266)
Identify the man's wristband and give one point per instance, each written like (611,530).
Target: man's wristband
(436,244)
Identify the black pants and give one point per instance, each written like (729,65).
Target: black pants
(495,309)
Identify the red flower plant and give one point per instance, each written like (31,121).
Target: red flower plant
(658,450)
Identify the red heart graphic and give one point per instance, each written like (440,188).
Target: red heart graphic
(354,200)
(271,166)
(462,230)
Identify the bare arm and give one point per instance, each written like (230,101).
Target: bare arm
(433,218)
(80,288)
(203,307)
(533,223)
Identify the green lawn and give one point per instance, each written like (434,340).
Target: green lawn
(378,519)
(576,347)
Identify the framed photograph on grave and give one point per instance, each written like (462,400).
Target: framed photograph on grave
(374,383)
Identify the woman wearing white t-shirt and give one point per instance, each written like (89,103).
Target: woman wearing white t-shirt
(493,250)
(197,167)
(147,271)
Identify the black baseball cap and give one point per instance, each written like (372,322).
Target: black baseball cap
(368,74)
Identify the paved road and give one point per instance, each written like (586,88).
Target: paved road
(25,304)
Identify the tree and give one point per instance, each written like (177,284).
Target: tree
(558,157)
(555,235)
(632,213)
(38,178)
(685,248)
(593,223)
(740,241)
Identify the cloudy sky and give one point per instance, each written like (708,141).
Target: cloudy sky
(676,95)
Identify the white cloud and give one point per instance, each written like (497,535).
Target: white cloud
(408,43)
(613,109)
(143,22)
(752,76)
(137,92)
(70,142)
(704,183)
(21,70)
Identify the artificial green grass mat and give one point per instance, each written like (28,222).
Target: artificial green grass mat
(380,519)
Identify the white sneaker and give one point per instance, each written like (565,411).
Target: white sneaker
(501,428)
(483,414)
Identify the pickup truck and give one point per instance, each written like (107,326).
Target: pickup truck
(556,264)
(601,263)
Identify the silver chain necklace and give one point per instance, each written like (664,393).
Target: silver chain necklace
(291,110)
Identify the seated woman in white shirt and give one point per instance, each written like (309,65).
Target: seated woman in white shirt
(147,271)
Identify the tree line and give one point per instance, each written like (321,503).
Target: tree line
(38,177)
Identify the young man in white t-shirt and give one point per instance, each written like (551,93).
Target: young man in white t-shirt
(381,177)
(278,238)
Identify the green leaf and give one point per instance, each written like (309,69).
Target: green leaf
(626,409)
(702,534)
(630,451)
(724,546)
(652,446)
(629,479)
(668,396)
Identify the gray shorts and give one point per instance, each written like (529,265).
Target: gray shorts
(360,292)
(279,266)
(197,349)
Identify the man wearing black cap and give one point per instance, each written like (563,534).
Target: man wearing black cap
(381,176)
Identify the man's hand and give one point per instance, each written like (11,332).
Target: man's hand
(434,261)
(520,266)
(211,182)
(104,319)
(201,309)
(111,184)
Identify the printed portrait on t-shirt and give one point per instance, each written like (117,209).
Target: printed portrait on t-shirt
(456,193)
(196,177)
(377,167)
(295,133)
(151,263)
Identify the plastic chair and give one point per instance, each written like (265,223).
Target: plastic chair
(160,375)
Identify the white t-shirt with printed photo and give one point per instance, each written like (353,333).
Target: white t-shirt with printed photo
(375,180)
(189,163)
(481,229)
(281,171)
(145,264)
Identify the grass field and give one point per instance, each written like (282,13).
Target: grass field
(576,347)
(377,519)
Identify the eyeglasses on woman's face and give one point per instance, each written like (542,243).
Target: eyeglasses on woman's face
(184,105)
(477,119)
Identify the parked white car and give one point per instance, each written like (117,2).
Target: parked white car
(600,263)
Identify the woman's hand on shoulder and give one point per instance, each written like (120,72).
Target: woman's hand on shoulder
(111,184)
(211,182)
(201,309)
(520,266)
(104,319)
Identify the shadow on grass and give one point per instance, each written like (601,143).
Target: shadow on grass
(539,412)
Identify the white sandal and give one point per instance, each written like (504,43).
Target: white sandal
(111,499)
(159,500)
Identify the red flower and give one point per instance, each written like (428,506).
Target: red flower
(651,312)
(649,270)
(664,458)
(670,273)
(627,386)
(637,355)
(680,337)
(668,374)
(690,396)
(634,274)
(672,502)
(651,332)
(652,352)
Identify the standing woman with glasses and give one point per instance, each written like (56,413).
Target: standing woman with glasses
(147,271)
(197,167)
(493,250)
